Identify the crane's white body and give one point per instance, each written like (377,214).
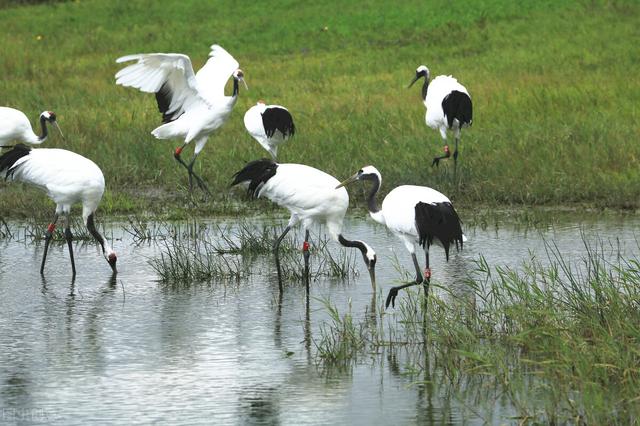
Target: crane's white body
(15,126)
(197,103)
(398,211)
(310,195)
(65,176)
(255,126)
(438,89)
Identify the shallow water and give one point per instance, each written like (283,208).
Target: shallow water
(127,349)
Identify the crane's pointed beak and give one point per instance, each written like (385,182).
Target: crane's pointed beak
(348,181)
(55,123)
(372,275)
(413,81)
(245,84)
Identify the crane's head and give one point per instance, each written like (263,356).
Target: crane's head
(365,173)
(238,75)
(111,257)
(421,71)
(370,259)
(50,116)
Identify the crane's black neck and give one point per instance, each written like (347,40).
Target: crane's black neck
(425,86)
(356,244)
(43,126)
(236,87)
(372,203)
(92,229)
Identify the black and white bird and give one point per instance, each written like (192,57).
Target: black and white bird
(192,105)
(448,106)
(270,125)
(67,178)
(415,214)
(15,126)
(311,197)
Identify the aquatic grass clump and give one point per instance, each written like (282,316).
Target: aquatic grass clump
(247,238)
(559,339)
(5,232)
(198,252)
(342,339)
(35,230)
(142,230)
(197,262)
(340,264)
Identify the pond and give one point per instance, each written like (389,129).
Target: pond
(129,349)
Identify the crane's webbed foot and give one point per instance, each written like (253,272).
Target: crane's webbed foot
(391,297)
(447,154)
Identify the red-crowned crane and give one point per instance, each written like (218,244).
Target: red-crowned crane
(270,125)
(448,106)
(67,178)
(192,105)
(415,214)
(15,126)
(311,196)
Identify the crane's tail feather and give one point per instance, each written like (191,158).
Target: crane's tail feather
(457,106)
(438,221)
(256,173)
(9,159)
(276,118)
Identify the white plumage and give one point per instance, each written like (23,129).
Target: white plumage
(270,125)
(448,105)
(67,178)
(15,126)
(192,105)
(415,214)
(311,197)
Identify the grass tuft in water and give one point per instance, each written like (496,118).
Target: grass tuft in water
(197,262)
(341,339)
(196,252)
(5,232)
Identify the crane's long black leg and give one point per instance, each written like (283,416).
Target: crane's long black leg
(276,248)
(69,237)
(415,264)
(447,154)
(47,239)
(455,157)
(199,180)
(393,292)
(427,276)
(419,280)
(306,254)
(177,153)
(189,168)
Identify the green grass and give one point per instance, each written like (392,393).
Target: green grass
(555,98)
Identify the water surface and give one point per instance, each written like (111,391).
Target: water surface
(126,349)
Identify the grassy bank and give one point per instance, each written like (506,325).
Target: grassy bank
(556,108)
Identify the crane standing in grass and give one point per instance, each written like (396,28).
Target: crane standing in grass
(68,178)
(15,126)
(448,106)
(311,196)
(415,214)
(270,125)
(192,105)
